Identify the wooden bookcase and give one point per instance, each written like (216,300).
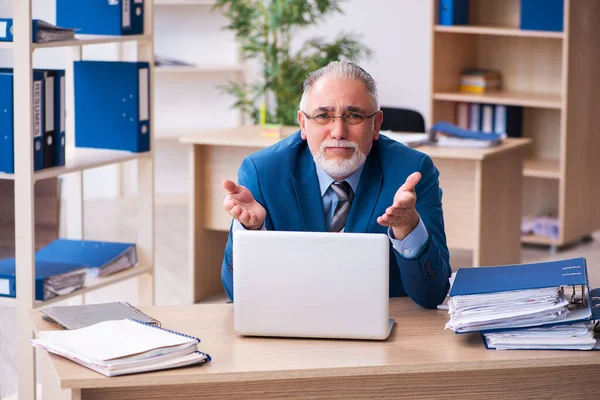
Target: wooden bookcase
(78,160)
(553,75)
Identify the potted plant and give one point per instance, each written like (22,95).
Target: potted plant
(264,29)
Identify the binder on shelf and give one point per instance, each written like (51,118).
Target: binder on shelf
(508,120)
(114,17)
(542,15)
(80,316)
(51,279)
(112,105)
(518,296)
(48,139)
(42,31)
(474,117)
(454,12)
(487,118)
(101,258)
(121,347)
(7,142)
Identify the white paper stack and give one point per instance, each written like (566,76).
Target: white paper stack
(121,347)
(509,309)
(576,336)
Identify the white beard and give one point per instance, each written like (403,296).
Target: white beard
(339,168)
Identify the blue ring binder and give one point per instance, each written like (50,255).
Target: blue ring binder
(166,330)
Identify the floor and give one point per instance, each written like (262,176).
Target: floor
(115,220)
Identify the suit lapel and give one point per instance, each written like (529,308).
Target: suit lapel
(367,195)
(308,194)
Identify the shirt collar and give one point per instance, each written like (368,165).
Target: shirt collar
(325,180)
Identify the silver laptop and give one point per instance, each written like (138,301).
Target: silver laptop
(311,284)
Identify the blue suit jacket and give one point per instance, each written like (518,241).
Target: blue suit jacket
(284,181)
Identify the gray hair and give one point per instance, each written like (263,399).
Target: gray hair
(344,70)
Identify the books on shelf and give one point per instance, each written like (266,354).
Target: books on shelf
(479,80)
(490,118)
(100,258)
(121,347)
(80,316)
(42,31)
(51,278)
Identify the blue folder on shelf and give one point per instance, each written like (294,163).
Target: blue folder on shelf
(51,279)
(542,15)
(112,105)
(7,142)
(568,276)
(42,31)
(101,17)
(101,258)
(454,12)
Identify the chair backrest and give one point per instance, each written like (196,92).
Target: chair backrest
(402,120)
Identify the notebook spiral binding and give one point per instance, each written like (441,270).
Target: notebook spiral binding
(135,310)
(166,330)
(208,357)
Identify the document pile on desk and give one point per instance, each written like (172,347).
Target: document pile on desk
(529,306)
(122,347)
(507,309)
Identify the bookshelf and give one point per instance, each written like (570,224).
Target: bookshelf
(78,160)
(551,75)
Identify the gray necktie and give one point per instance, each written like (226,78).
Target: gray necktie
(343,192)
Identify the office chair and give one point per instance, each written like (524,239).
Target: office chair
(402,120)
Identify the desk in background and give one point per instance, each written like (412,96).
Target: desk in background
(419,360)
(482,196)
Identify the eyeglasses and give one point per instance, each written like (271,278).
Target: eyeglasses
(351,118)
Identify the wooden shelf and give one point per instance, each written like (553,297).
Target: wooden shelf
(184,2)
(199,69)
(507,98)
(80,159)
(540,168)
(82,40)
(90,285)
(543,240)
(498,31)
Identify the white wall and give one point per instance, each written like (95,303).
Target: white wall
(397,31)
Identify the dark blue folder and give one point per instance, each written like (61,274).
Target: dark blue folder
(94,254)
(43,271)
(112,105)
(102,17)
(454,12)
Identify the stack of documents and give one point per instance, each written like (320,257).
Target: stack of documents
(507,309)
(577,336)
(519,296)
(43,32)
(122,347)
(445,134)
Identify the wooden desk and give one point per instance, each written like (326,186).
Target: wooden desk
(420,360)
(482,195)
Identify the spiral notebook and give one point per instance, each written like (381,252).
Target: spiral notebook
(75,317)
(122,347)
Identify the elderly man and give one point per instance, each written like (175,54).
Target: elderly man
(338,174)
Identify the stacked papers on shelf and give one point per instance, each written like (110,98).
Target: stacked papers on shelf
(576,336)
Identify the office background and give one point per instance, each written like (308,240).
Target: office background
(399,34)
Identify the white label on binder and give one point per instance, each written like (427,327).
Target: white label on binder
(49,103)
(3,26)
(500,119)
(143,100)
(4,287)
(474,120)
(488,119)
(37,109)
(62,103)
(126,14)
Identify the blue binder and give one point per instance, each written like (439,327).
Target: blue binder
(43,271)
(95,254)
(112,105)
(562,273)
(7,142)
(454,12)
(508,120)
(542,15)
(455,131)
(102,17)
(59,116)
